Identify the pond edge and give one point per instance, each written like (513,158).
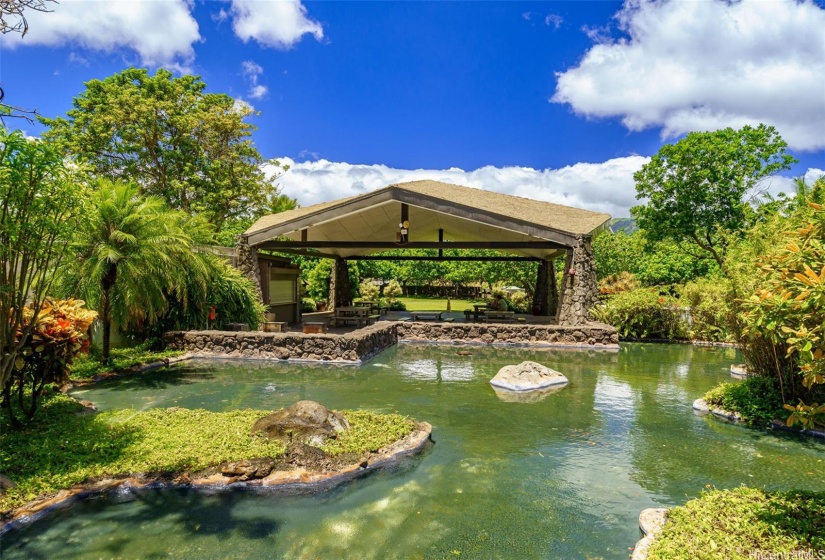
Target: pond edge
(297,481)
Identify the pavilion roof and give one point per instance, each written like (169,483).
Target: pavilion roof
(463,213)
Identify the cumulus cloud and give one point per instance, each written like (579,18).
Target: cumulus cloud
(602,187)
(686,66)
(161,33)
(273,23)
(252,72)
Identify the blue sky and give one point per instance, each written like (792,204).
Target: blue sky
(560,101)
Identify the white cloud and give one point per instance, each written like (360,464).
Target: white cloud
(781,184)
(251,72)
(258,91)
(603,187)
(273,23)
(553,19)
(687,66)
(161,33)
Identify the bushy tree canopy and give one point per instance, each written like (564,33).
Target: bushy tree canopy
(695,189)
(190,148)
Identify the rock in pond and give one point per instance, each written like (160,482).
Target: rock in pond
(527,376)
(534,396)
(305,421)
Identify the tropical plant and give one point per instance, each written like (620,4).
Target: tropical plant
(641,314)
(789,310)
(41,201)
(695,189)
(56,332)
(618,283)
(215,285)
(711,314)
(130,252)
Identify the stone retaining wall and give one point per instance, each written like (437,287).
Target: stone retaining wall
(353,347)
(596,335)
(362,344)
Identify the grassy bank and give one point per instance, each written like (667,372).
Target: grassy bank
(63,449)
(741,523)
(757,399)
(87,366)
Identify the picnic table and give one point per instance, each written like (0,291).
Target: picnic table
(357,315)
(374,306)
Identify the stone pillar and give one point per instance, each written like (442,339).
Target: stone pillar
(340,291)
(540,303)
(553,293)
(247,263)
(579,291)
(546,296)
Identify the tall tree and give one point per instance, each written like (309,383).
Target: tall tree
(40,205)
(190,148)
(130,252)
(696,188)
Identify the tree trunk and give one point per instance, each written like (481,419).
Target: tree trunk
(106,286)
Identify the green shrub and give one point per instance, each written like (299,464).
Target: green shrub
(519,302)
(396,306)
(710,311)
(369,290)
(743,523)
(642,314)
(757,399)
(391,292)
(308,305)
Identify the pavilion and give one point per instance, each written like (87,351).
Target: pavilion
(436,215)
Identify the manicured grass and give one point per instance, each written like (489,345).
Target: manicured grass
(87,366)
(740,523)
(757,399)
(62,449)
(436,304)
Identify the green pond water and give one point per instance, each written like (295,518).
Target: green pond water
(563,477)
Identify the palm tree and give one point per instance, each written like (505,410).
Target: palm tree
(131,252)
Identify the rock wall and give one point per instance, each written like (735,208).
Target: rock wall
(579,290)
(353,347)
(248,263)
(591,334)
(362,344)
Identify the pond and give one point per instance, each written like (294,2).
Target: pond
(564,477)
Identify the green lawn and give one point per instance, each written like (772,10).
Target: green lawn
(61,449)
(436,304)
(87,366)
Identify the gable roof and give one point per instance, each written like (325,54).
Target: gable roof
(462,212)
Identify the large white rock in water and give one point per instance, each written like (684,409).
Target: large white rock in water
(527,376)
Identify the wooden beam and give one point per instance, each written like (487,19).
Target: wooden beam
(435,258)
(299,252)
(524,245)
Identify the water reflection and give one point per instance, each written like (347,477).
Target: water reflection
(562,477)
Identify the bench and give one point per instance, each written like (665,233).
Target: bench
(372,319)
(273,326)
(499,316)
(426,315)
(314,328)
(236,327)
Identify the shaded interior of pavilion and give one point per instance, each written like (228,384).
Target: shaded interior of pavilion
(444,219)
